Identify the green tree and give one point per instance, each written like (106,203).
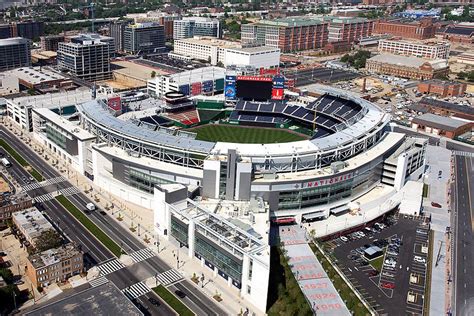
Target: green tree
(153,74)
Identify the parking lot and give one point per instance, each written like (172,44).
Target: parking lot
(393,282)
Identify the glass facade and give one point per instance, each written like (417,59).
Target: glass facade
(222,259)
(179,230)
(144,181)
(56,136)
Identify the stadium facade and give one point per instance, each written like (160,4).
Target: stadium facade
(218,199)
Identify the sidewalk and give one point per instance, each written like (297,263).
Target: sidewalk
(141,220)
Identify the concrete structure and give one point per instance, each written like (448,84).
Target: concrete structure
(117,31)
(31,223)
(348,29)
(38,78)
(54,265)
(8,84)
(459,33)
(27,29)
(15,52)
(144,38)
(93,37)
(184,81)
(429,50)
(407,67)
(441,125)
(257,57)
(51,42)
(64,138)
(288,34)
(466,58)
(442,88)
(196,26)
(421,30)
(85,57)
(429,105)
(163,18)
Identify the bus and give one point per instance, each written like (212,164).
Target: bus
(6,163)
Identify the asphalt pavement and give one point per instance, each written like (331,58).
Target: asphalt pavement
(196,300)
(463,256)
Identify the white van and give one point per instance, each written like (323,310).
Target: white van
(90,206)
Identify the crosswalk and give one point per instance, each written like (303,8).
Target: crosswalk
(142,254)
(463,153)
(169,277)
(69,191)
(44,183)
(98,281)
(136,290)
(43,198)
(110,267)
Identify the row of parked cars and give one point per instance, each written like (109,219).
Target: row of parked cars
(366,232)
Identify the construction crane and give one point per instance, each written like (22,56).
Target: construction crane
(91,7)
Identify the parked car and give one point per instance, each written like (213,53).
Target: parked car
(153,301)
(422,232)
(373,273)
(180,294)
(388,274)
(434,204)
(419,259)
(388,285)
(344,239)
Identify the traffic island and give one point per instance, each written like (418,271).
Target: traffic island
(172,301)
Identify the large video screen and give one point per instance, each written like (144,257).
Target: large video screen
(254,90)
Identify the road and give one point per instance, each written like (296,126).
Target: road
(196,300)
(463,257)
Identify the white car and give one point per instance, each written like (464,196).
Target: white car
(419,259)
(344,239)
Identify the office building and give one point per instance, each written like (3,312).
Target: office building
(407,67)
(420,30)
(144,38)
(442,88)
(256,57)
(208,49)
(15,52)
(288,34)
(458,33)
(348,29)
(85,57)
(51,42)
(93,37)
(54,265)
(160,17)
(5,31)
(29,29)
(196,26)
(429,50)
(117,31)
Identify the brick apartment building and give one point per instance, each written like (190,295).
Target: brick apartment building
(459,33)
(54,265)
(420,30)
(304,33)
(441,125)
(407,67)
(442,88)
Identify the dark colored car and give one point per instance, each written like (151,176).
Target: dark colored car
(179,294)
(373,273)
(434,204)
(153,301)
(103,213)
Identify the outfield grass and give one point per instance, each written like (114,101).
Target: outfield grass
(12,152)
(249,135)
(172,301)
(96,231)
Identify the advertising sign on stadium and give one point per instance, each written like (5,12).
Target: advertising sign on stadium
(277,94)
(324,182)
(254,78)
(115,103)
(274,71)
(229,89)
(278,82)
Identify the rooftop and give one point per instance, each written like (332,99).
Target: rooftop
(54,100)
(52,256)
(447,105)
(35,75)
(211,41)
(13,41)
(197,75)
(105,299)
(256,50)
(437,121)
(31,222)
(409,61)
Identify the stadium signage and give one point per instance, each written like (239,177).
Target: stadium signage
(320,183)
(254,78)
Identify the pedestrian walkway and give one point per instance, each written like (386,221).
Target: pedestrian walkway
(98,281)
(142,254)
(136,290)
(37,185)
(43,198)
(110,267)
(169,277)
(69,191)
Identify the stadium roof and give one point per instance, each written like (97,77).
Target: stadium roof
(437,121)
(409,61)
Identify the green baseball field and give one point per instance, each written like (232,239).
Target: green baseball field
(248,135)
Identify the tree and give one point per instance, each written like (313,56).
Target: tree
(153,74)
(220,64)
(48,239)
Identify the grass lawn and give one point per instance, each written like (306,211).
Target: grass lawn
(425,190)
(348,296)
(12,152)
(249,135)
(96,231)
(377,263)
(172,301)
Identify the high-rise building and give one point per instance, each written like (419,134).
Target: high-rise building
(86,57)
(348,29)
(288,34)
(196,26)
(51,42)
(421,30)
(28,29)
(144,38)
(117,31)
(15,52)
(85,38)
(5,31)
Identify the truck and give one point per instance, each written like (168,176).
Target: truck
(6,163)
(90,206)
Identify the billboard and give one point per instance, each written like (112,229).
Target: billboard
(277,94)
(184,89)
(229,90)
(196,88)
(115,103)
(254,88)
